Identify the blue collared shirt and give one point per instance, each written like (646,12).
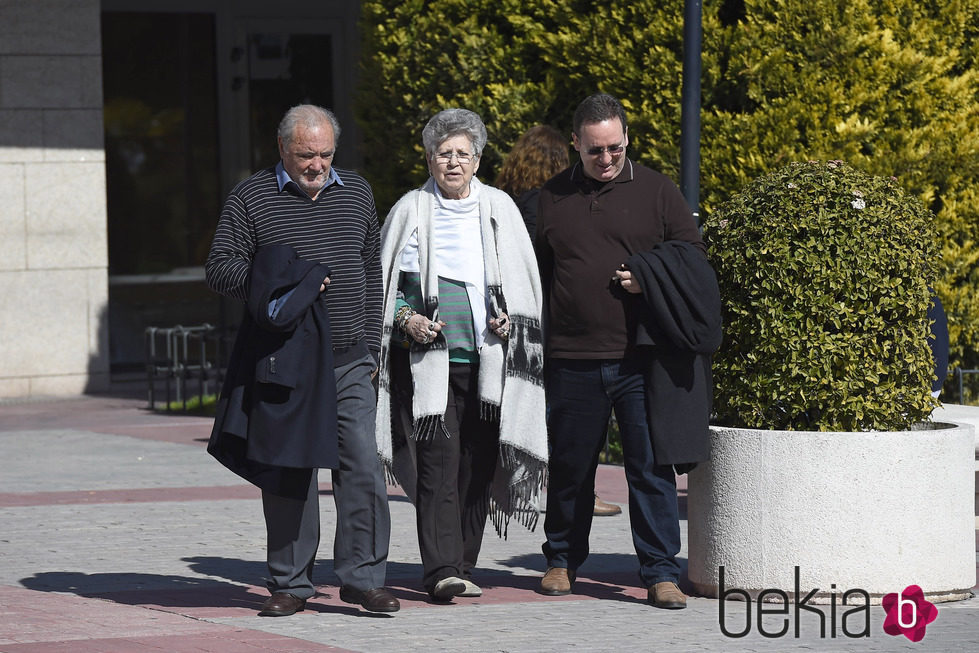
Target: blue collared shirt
(283,178)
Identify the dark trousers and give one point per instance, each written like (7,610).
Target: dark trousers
(581,395)
(454,473)
(363,530)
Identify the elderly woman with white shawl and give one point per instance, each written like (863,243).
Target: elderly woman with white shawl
(460,415)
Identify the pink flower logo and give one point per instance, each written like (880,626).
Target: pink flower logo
(908,613)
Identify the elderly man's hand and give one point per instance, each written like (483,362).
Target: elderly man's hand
(326,282)
(628,282)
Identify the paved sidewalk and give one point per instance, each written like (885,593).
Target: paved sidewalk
(118,533)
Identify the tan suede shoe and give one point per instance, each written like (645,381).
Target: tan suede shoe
(666,595)
(603,509)
(557,581)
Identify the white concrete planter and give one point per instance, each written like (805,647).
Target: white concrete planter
(876,511)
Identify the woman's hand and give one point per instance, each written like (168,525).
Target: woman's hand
(423,330)
(500,326)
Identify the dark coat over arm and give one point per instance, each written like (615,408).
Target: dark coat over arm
(681,321)
(278,404)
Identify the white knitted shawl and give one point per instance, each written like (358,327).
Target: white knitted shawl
(511,383)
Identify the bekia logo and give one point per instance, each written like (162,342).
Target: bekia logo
(908,612)
(773,602)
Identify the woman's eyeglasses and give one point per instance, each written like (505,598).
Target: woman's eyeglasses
(462,157)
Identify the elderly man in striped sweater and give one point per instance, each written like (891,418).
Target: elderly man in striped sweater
(328,216)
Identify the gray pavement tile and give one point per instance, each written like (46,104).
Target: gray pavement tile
(63,459)
(179,556)
(587,625)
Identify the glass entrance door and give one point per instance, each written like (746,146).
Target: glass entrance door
(162,174)
(284,70)
(194,92)
(278,64)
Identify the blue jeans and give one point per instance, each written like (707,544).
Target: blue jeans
(581,395)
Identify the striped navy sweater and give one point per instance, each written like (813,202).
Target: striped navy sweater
(340,229)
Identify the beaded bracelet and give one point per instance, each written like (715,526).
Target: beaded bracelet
(401,318)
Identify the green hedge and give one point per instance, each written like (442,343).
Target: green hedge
(517,64)
(890,86)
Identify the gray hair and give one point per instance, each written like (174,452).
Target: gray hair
(598,108)
(309,116)
(453,122)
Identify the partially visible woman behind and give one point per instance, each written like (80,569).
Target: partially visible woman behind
(540,153)
(460,415)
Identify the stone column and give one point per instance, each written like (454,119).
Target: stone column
(53,241)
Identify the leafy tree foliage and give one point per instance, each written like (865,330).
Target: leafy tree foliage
(889,86)
(517,64)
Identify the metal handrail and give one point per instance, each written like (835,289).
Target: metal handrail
(170,354)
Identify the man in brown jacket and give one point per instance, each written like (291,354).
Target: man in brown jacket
(592,217)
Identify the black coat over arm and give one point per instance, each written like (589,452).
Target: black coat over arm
(278,404)
(681,322)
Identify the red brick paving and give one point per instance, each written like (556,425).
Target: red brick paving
(170,620)
(48,622)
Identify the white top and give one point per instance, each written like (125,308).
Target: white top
(458,250)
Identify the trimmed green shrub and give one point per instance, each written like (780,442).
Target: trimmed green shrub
(824,274)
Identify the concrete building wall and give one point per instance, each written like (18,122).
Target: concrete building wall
(53,240)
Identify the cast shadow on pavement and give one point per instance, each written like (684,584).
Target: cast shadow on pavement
(603,576)
(227,583)
(131,588)
(403,579)
(252,572)
(180,594)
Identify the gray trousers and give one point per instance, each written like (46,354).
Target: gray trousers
(363,531)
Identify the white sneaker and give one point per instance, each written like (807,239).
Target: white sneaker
(472,589)
(446,588)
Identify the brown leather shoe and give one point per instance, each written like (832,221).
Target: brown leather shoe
(557,581)
(603,509)
(281,604)
(666,595)
(376,599)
